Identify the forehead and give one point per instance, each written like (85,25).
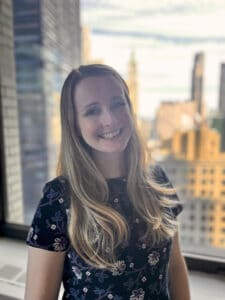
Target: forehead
(96,88)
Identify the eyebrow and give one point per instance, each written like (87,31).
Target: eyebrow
(118,96)
(89,105)
(114,98)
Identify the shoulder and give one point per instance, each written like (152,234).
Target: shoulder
(49,226)
(60,184)
(55,191)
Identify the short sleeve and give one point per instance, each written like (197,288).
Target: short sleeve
(161,177)
(49,226)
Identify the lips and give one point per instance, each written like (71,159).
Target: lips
(110,134)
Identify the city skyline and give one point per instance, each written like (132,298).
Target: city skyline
(165,39)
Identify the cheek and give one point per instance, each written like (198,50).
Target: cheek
(86,128)
(126,118)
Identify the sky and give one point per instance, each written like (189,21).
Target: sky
(165,36)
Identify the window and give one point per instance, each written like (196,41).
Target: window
(203,192)
(42,63)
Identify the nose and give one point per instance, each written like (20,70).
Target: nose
(107,117)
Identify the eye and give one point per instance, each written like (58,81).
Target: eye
(92,111)
(118,103)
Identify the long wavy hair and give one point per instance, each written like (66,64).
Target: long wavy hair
(97,230)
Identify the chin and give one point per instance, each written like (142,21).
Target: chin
(110,148)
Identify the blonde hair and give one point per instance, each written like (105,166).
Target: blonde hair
(97,230)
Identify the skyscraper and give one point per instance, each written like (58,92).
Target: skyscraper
(222,90)
(86,45)
(47,47)
(10,166)
(132,82)
(197,82)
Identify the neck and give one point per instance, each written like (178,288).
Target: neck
(111,165)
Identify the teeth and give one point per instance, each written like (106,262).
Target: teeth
(110,135)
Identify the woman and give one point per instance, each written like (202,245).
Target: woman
(106,226)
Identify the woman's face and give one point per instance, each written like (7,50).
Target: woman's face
(103,114)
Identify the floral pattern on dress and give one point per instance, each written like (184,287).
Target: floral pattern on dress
(153,258)
(137,294)
(118,268)
(140,272)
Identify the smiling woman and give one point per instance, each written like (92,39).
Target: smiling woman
(105,226)
(103,114)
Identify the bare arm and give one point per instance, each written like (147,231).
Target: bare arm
(44,274)
(178,274)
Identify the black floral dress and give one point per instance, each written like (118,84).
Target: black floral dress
(140,272)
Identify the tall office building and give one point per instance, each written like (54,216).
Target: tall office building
(86,45)
(222,90)
(47,47)
(197,81)
(132,82)
(86,53)
(10,166)
(217,120)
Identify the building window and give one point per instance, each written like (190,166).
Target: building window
(192,206)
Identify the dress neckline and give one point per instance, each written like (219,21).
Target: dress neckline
(122,178)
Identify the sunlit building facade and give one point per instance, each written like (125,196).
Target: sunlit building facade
(172,116)
(197,168)
(222,90)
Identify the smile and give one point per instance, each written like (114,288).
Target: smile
(112,134)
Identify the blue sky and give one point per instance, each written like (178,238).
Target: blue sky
(165,36)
